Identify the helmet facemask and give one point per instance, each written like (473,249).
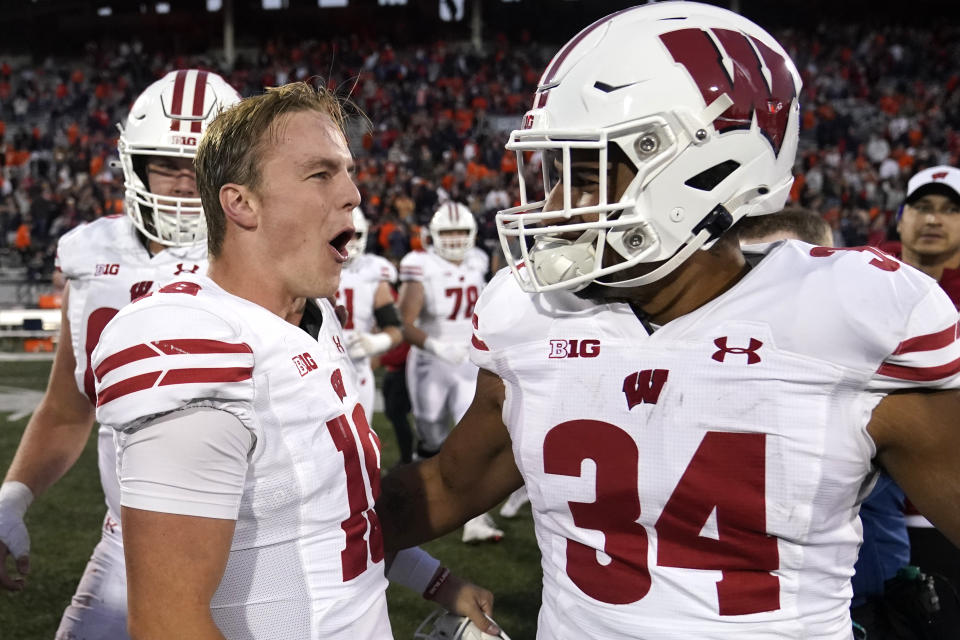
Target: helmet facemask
(600,206)
(166,219)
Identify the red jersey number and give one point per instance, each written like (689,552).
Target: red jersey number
(471,293)
(362,518)
(726,475)
(348,305)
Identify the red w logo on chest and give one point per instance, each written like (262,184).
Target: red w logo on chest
(759,81)
(644,386)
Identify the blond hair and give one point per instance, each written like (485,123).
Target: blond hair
(232,149)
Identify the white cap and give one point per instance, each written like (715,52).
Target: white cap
(943,179)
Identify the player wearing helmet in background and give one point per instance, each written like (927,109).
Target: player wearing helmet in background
(696,432)
(108,263)
(438,291)
(366,294)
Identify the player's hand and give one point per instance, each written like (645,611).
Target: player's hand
(450,352)
(467,599)
(14,539)
(363,345)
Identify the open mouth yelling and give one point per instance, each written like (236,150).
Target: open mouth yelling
(339,244)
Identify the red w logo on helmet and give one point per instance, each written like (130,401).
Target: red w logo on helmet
(749,87)
(940,175)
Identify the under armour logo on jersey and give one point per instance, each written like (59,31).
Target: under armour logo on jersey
(111,525)
(754,76)
(574,348)
(107,270)
(338,344)
(644,386)
(751,352)
(140,289)
(305,363)
(336,381)
(183,269)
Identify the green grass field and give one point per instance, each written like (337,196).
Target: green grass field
(64,525)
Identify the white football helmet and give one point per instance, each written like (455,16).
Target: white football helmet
(442,625)
(358,243)
(701,101)
(453,216)
(168,119)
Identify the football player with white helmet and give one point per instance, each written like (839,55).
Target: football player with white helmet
(108,263)
(367,295)
(696,431)
(438,291)
(247,468)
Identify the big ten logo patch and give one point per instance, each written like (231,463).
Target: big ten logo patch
(305,363)
(107,270)
(574,348)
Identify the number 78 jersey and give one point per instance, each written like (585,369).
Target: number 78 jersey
(704,481)
(450,291)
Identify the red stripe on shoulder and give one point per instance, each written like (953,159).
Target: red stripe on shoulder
(920,374)
(123,357)
(200,345)
(479,344)
(126,387)
(209,374)
(930,341)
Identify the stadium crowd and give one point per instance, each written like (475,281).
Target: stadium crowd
(878,104)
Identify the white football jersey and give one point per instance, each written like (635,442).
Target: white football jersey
(450,291)
(108,267)
(704,481)
(306,559)
(358,286)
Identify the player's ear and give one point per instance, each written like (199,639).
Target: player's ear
(239,205)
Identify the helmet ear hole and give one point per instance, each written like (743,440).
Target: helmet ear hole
(708,179)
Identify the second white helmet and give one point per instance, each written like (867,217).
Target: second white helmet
(698,102)
(453,217)
(168,120)
(358,243)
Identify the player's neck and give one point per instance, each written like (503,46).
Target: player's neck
(239,280)
(705,276)
(932,265)
(155,247)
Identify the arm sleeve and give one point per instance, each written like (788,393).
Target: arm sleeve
(190,462)
(929,354)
